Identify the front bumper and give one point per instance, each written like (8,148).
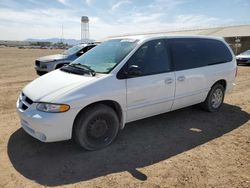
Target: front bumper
(39,69)
(48,66)
(44,67)
(243,61)
(47,127)
(40,73)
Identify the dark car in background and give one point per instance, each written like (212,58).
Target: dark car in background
(49,63)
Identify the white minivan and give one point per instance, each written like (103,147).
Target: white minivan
(123,80)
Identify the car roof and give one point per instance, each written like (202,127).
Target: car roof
(160,36)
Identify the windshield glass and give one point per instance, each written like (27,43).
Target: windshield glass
(72,50)
(104,57)
(246,52)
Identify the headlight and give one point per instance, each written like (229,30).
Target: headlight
(54,108)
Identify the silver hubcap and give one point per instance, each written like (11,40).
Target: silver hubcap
(217,98)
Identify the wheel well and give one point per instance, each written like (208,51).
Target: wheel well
(222,82)
(113,104)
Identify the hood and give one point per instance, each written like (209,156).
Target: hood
(52,57)
(52,85)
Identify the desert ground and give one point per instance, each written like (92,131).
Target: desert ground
(185,148)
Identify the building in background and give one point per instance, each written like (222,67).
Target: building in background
(238,37)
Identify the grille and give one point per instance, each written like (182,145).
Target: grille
(37,63)
(243,60)
(24,102)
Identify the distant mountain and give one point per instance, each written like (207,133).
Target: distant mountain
(56,40)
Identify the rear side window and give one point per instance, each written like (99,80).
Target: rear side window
(188,53)
(217,52)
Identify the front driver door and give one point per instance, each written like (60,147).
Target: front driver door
(152,91)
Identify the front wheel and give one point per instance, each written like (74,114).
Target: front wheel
(214,98)
(96,127)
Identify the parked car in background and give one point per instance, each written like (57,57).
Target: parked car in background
(243,58)
(49,63)
(123,80)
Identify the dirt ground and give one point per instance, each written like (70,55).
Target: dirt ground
(184,148)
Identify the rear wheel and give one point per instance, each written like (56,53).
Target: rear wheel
(214,98)
(96,127)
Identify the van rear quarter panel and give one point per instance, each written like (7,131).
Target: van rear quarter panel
(198,82)
(224,71)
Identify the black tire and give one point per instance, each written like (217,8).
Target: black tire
(96,127)
(211,106)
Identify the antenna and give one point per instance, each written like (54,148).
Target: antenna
(84,29)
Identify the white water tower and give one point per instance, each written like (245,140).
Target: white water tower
(84,29)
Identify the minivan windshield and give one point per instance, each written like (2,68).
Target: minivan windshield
(104,57)
(72,50)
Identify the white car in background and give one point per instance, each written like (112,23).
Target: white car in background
(123,80)
(49,63)
(243,58)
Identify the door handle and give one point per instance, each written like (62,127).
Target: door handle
(181,78)
(169,80)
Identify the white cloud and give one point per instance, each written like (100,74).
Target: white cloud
(64,2)
(142,24)
(196,21)
(46,23)
(89,2)
(19,25)
(120,4)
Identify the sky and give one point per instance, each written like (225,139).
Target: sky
(41,19)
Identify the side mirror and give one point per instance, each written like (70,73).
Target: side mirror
(134,71)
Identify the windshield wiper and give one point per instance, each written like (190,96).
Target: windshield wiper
(83,67)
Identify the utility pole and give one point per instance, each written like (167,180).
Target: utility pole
(62,35)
